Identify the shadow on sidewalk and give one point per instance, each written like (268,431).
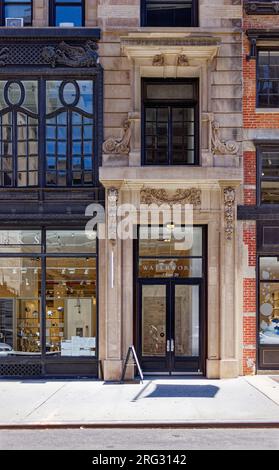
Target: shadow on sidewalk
(183,391)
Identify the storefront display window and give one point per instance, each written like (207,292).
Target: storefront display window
(48,295)
(269,300)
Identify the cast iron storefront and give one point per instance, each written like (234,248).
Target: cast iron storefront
(51,137)
(171,288)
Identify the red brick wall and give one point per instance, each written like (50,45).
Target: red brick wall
(249,302)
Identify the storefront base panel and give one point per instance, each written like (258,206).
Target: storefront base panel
(269,358)
(31,369)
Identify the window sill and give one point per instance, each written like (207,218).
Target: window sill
(267,110)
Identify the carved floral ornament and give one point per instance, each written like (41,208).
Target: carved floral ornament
(218,146)
(71,56)
(112,213)
(229,208)
(119,146)
(162,196)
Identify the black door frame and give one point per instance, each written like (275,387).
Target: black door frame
(137,333)
(172,364)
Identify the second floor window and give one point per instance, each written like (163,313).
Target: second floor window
(67,11)
(268,185)
(171,129)
(169,13)
(46,133)
(17,9)
(268,79)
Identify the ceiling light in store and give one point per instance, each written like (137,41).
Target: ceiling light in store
(171,226)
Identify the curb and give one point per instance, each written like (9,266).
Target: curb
(137,425)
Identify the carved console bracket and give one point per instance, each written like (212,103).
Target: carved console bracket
(119,146)
(112,214)
(218,146)
(229,212)
(162,196)
(159,60)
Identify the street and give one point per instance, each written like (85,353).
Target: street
(140,439)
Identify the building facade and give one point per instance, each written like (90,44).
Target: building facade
(134,103)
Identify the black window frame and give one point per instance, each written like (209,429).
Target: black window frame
(52,10)
(96,154)
(194,20)
(260,149)
(174,103)
(3,4)
(258,105)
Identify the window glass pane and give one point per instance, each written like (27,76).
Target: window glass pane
(165,268)
(270,192)
(71,325)
(86,95)
(52,95)
(69,14)
(270,164)
(269,313)
(19,11)
(168,13)
(153,241)
(175,91)
(70,241)
(269,269)
(20,280)
(20,241)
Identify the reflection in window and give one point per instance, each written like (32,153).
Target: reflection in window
(70,241)
(269,176)
(69,133)
(269,300)
(71,306)
(20,305)
(173,13)
(268,79)
(18,9)
(68,11)
(19,116)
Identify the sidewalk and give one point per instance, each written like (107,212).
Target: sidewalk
(157,401)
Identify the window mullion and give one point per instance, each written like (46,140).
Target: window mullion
(170,136)
(14,144)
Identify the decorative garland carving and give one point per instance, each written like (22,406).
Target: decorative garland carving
(182,61)
(181,196)
(220,147)
(229,204)
(158,60)
(112,213)
(119,146)
(71,56)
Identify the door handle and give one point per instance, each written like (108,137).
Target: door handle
(168,345)
(172,345)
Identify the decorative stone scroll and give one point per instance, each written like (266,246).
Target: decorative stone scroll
(119,146)
(182,61)
(112,214)
(229,206)
(71,56)
(158,60)
(220,147)
(162,196)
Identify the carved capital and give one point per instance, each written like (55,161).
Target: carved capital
(229,212)
(158,60)
(112,214)
(162,196)
(218,146)
(119,146)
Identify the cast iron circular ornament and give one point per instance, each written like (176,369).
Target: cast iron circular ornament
(16,87)
(69,93)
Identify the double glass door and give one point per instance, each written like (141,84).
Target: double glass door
(171,326)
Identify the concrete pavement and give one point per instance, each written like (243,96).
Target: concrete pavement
(156,401)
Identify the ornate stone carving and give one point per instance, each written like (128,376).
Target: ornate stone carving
(229,207)
(4,54)
(112,213)
(182,61)
(71,56)
(158,60)
(220,147)
(162,196)
(119,146)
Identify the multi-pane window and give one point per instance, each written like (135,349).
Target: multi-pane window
(17,9)
(67,11)
(170,122)
(46,133)
(172,13)
(269,175)
(268,79)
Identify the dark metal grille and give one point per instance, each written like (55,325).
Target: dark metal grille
(20,370)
